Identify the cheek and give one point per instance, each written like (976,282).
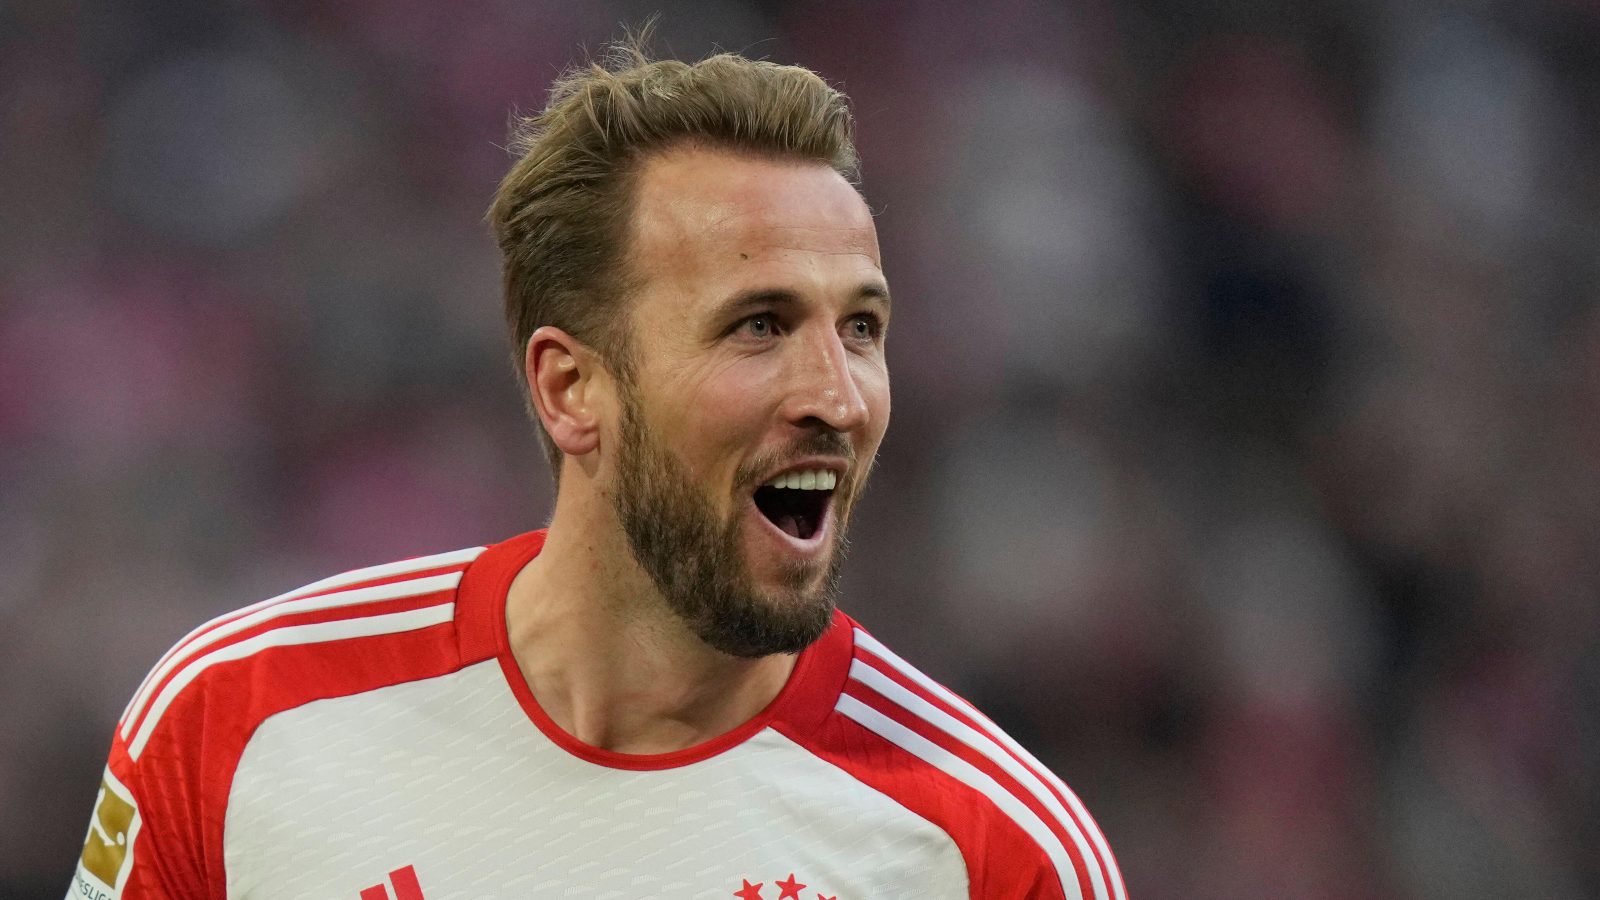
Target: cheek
(725,411)
(732,394)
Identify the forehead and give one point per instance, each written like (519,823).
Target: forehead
(706,217)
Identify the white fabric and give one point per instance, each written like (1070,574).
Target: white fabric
(450,776)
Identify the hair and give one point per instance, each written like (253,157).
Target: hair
(563,214)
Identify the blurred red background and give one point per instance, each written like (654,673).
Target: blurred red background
(1246,453)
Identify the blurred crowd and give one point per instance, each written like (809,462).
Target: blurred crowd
(1246,448)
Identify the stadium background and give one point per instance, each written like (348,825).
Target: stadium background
(1246,450)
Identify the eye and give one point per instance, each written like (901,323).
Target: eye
(762,325)
(864,327)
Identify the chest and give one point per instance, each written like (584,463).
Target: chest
(449,784)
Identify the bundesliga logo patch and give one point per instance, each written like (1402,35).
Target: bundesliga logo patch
(108,848)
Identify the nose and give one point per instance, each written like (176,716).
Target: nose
(823,388)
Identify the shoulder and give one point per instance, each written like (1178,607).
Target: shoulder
(1022,831)
(332,637)
(156,829)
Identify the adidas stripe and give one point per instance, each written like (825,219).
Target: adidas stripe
(338,629)
(325,585)
(1079,824)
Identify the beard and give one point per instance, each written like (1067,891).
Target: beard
(697,562)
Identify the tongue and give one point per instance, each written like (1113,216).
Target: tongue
(790,525)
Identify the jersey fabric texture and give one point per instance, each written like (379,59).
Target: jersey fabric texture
(371,736)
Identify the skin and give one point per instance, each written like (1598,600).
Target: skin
(730,380)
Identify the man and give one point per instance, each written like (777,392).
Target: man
(655,696)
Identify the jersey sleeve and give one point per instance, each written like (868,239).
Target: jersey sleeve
(146,833)
(1021,831)
(157,830)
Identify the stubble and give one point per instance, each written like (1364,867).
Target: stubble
(696,562)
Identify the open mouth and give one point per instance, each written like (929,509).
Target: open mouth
(796,510)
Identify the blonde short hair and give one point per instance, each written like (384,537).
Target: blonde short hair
(562,214)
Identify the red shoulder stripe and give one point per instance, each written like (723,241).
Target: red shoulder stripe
(218,631)
(1002,860)
(420,566)
(1018,802)
(889,674)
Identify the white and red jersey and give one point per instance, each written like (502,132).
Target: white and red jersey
(370,737)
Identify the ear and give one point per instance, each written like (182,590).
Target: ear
(564,379)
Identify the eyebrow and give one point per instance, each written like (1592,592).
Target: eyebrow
(758,298)
(877,292)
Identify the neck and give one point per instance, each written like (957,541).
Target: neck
(605,657)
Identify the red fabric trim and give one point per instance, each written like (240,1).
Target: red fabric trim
(982,725)
(1002,860)
(807,697)
(811,698)
(794,693)
(481,596)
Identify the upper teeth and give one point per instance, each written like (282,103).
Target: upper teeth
(807,480)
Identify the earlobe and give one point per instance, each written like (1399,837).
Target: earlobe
(561,382)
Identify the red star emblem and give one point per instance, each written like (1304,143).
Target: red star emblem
(791,888)
(820,897)
(749,891)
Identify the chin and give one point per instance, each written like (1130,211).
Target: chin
(785,616)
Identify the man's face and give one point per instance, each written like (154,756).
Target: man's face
(759,381)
